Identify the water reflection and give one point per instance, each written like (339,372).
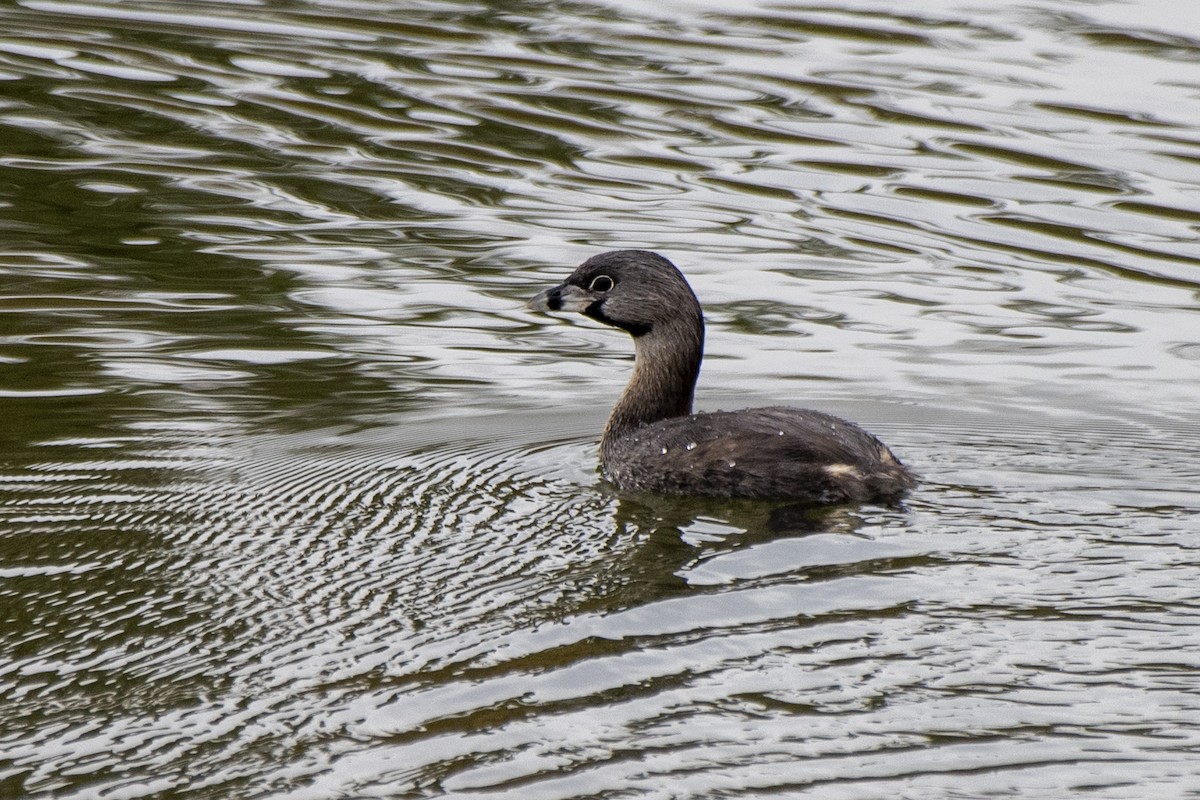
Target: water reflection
(296,499)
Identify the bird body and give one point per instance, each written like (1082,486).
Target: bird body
(653,441)
(772,453)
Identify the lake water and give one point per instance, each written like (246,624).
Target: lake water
(299,502)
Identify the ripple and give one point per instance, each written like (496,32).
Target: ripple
(186,20)
(384,575)
(296,496)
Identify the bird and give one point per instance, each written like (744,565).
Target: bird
(653,441)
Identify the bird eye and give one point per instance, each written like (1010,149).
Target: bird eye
(602,283)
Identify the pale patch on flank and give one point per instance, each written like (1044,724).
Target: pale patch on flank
(842,471)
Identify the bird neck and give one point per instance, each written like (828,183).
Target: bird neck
(666,365)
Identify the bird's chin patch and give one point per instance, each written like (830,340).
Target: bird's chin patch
(634,329)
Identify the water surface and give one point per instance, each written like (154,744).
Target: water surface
(298,502)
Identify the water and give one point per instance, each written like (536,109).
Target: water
(298,502)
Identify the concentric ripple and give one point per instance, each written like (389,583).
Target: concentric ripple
(336,610)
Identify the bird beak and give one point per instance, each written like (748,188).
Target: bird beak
(564,297)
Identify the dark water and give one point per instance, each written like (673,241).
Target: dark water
(298,502)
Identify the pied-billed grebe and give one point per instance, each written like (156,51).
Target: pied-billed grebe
(654,443)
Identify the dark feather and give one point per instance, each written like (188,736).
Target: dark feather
(654,443)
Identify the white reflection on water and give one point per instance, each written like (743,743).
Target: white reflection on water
(297,501)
